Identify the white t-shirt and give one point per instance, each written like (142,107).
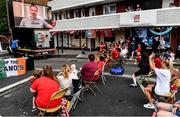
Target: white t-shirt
(163,81)
(74,71)
(66,83)
(124,52)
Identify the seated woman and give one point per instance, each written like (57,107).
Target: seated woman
(45,86)
(65,79)
(144,69)
(162,86)
(168,110)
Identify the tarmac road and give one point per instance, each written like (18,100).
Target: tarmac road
(116,98)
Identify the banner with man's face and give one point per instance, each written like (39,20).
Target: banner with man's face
(28,15)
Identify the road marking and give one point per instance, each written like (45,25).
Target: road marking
(13,85)
(57,70)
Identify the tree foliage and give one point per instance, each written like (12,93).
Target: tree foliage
(40,2)
(3,17)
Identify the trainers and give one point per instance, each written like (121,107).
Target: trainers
(149,106)
(34,109)
(133,85)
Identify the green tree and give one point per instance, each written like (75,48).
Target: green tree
(3,17)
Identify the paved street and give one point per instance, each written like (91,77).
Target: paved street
(116,97)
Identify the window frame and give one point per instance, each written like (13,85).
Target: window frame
(109,9)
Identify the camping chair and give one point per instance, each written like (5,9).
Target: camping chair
(90,85)
(147,77)
(170,98)
(103,78)
(77,84)
(58,94)
(75,99)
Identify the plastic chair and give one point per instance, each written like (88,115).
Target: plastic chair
(90,85)
(59,94)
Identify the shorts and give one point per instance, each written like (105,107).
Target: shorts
(153,89)
(140,72)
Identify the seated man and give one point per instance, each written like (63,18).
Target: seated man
(162,86)
(89,68)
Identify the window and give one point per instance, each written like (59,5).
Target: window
(68,14)
(92,12)
(110,9)
(55,16)
(83,34)
(76,36)
(82,12)
(76,14)
(64,15)
(60,16)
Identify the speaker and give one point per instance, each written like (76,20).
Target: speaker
(30,63)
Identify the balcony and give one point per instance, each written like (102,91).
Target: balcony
(57,5)
(95,22)
(146,18)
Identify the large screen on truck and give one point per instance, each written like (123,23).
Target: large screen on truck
(31,15)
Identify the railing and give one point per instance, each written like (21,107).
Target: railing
(95,22)
(157,17)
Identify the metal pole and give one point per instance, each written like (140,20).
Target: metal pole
(8,16)
(62,51)
(57,42)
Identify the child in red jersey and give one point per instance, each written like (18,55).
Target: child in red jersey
(138,52)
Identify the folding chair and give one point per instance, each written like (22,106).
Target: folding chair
(103,78)
(77,84)
(75,99)
(90,85)
(147,77)
(171,97)
(57,95)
